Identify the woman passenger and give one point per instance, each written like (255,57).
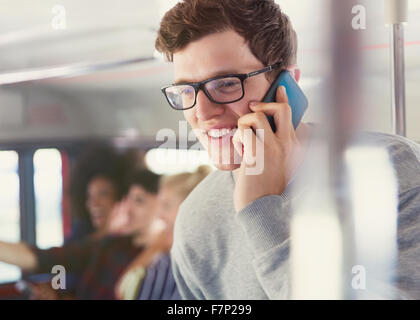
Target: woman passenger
(149,276)
(98,261)
(97,183)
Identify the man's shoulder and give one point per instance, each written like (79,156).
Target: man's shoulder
(205,205)
(210,191)
(404,155)
(394,143)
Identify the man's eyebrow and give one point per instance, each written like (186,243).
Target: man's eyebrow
(211,75)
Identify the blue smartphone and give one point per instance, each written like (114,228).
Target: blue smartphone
(297,99)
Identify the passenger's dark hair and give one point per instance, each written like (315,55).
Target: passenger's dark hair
(146,179)
(97,161)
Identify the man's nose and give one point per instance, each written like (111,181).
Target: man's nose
(206,109)
(92,202)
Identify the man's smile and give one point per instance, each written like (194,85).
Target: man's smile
(218,133)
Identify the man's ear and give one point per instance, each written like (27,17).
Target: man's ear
(294,71)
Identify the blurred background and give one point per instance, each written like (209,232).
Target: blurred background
(108,91)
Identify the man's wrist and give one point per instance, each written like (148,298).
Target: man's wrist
(266,222)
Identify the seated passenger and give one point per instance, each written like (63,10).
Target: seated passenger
(149,276)
(98,261)
(96,185)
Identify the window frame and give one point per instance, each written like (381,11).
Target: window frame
(27,205)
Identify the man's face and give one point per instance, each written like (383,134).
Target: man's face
(101,198)
(142,209)
(214,124)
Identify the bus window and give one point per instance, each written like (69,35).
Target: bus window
(9,209)
(48,197)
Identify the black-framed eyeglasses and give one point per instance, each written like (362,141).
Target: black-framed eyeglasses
(221,90)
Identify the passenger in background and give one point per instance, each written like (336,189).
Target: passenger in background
(97,184)
(99,261)
(149,276)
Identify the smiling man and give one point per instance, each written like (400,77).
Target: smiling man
(232,232)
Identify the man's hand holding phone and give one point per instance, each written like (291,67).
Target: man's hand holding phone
(281,150)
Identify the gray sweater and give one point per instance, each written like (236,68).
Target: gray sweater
(218,254)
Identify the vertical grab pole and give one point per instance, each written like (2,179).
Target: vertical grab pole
(395,16)
(346,111)
(322,228)
(344,227)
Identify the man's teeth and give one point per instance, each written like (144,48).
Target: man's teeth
(217,133)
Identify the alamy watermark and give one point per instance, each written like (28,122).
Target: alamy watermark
(59,280)
(359,20)
(58,21)
(358,281)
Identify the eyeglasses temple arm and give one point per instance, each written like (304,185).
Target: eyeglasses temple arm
(266,69)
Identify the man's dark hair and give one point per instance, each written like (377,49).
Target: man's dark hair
(146,179)
(267,30)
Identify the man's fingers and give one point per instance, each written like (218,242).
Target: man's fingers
(282,114)
(255,120)
(281,95)
(237,142)
(252,142)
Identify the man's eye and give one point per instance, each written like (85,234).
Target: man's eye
(187,91)
(228,85)
(138,200)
